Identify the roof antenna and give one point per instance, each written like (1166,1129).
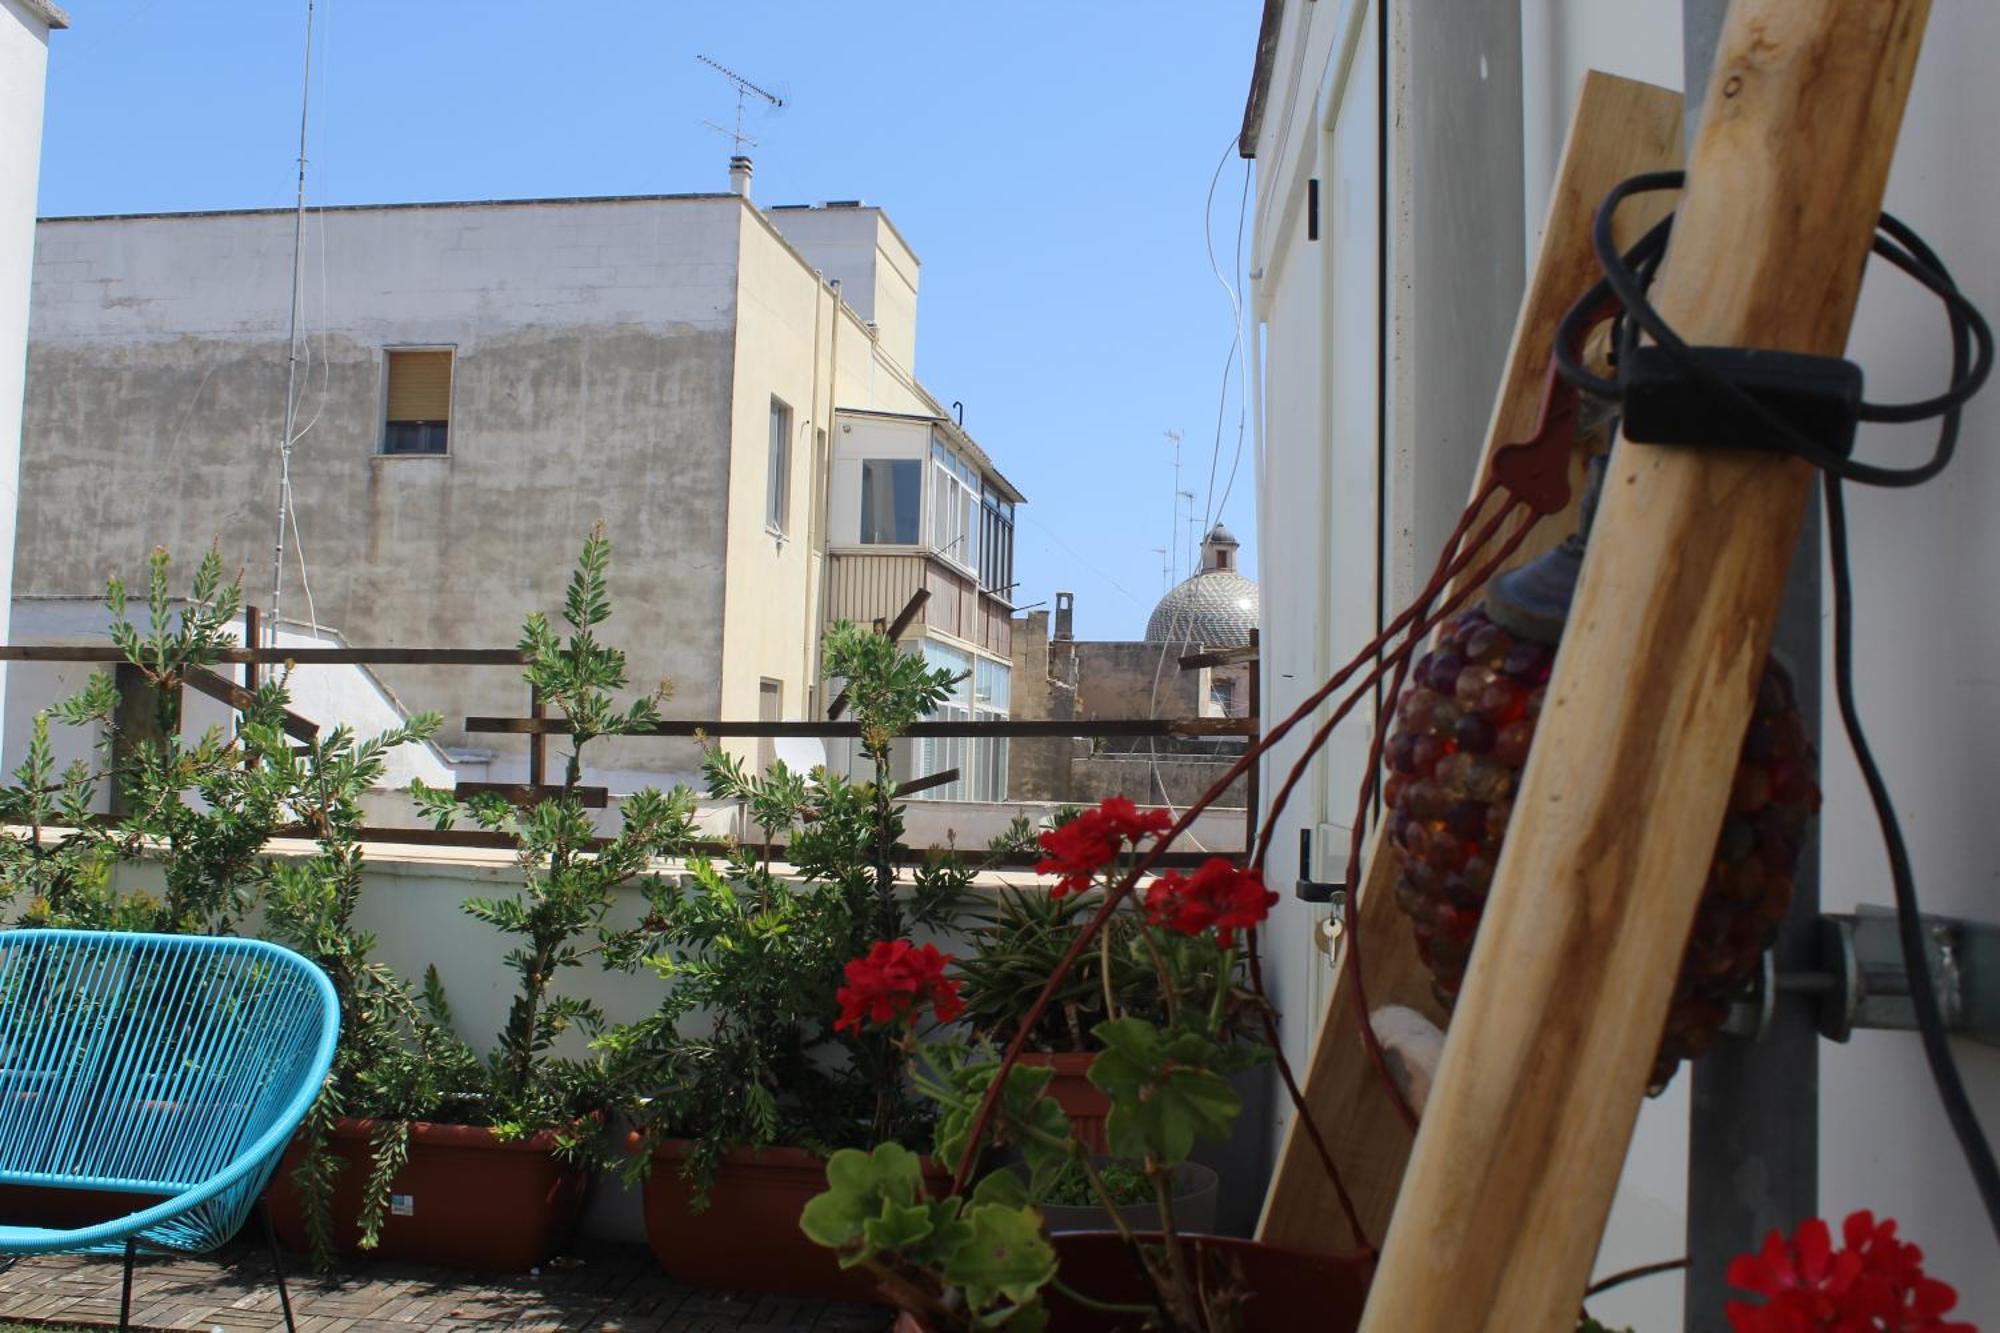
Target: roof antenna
(291,437)
(739,163)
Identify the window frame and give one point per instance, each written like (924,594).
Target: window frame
(778,471)
(861,507)
(952,500)
(389,352)
(996,542)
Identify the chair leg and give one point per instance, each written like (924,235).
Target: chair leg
(125,1300)
(277,1264)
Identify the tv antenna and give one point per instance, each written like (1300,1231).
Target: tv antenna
(745,90)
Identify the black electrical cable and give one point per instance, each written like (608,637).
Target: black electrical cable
(1626,277)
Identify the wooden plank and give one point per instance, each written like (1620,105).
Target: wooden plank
(928,782)
(1219,657)
(533,793)
(1621,128)
(1525,1133)
(904,856)
(56,652)
(1013,728)
(228,691)
(893,630)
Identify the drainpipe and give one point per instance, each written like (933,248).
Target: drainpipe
(823,481)
(815,545)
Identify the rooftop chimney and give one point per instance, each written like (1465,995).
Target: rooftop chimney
(1065,616)
(739,175)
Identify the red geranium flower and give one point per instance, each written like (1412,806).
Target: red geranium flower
(892,982)
(1219,896)
(1079,849)
(1875,1285)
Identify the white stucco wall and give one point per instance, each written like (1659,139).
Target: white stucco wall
(24,57)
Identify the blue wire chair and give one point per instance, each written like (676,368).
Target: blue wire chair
(151,1066)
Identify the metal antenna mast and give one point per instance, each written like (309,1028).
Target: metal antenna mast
(292,347)
(744,91)
(1174,438)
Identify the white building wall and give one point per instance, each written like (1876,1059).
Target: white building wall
(24,58)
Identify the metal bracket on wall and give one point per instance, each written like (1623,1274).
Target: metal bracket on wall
(1858,979)
(1307,889)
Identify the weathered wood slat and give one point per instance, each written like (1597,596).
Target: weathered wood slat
(1525,1133)
(1621,128)
(241,699)
(1017,728)
(57,652)
(533,793)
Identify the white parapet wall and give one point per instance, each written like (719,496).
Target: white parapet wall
(24,60)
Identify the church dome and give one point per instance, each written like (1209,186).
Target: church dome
(1216,608)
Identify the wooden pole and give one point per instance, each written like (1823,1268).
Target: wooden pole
(1621,128)
(1525,1133)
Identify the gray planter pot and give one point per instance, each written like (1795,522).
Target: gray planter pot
(1195,1190)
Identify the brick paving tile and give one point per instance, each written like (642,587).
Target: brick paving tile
(619,1289)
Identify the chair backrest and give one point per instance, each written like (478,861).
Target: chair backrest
(146,1063)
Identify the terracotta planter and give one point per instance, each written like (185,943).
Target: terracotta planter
(1081,1100)
(465,1199)
(1287,1289)
(748,1238)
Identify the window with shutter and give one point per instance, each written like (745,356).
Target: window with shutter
(418,404)
(778,472)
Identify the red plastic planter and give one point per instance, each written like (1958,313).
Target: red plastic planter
(465,1198)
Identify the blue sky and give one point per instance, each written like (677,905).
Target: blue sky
(1049,162)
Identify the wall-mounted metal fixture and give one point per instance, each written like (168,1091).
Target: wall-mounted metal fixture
(1308,889)
(1858,979)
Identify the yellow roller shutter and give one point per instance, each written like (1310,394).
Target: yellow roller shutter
(420,386)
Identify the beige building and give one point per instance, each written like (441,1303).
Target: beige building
(730,390)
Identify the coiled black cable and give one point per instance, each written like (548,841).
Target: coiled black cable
(1626,279)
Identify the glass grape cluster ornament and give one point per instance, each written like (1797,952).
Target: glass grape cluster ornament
(1463,729)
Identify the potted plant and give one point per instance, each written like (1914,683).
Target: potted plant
(333,1190)
(209,850)
(1873,1281)
(742,1077)
(1011,949)
(983,1256)
(492,1152)
(1070,1202)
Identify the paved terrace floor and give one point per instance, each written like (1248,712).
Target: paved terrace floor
(617,1288)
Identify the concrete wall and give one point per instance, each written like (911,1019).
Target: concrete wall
(594,352)
(1106,679)
(24,58)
